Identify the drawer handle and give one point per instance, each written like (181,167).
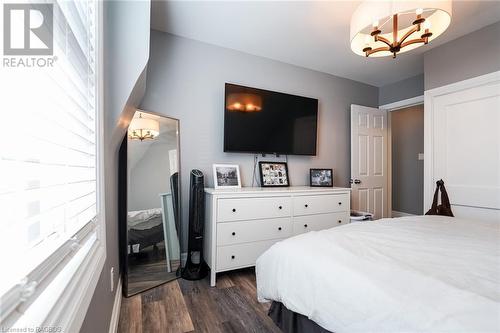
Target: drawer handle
(232,257)
(280,207)
(306,205)
(279,228)
(234,234)
(305,225)
(234,210)
(340,203)
(340,221)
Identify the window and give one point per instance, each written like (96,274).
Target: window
(50,223)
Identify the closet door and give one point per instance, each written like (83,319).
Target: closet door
(463,145)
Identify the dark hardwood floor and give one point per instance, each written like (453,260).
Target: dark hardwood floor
(194,306)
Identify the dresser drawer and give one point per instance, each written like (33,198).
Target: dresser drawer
(241,255)
(319,204)
(253,230)
(302,224)
(253,208)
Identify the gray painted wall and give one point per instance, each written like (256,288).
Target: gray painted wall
(404,89)
(150,176)
(472,55)
(126,52)
(186,81)
(407,129)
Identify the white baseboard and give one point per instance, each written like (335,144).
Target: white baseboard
(115,315)
(395,213)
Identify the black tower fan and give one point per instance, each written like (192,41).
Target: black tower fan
(196,270)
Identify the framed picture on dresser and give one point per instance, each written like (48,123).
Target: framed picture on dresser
(321,177)
(274,174)
(227,176)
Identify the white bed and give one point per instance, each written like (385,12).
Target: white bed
(425,273)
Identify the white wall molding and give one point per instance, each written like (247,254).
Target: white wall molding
(395,213)
(115,315)
(429,116)
(403,104)
(465,84)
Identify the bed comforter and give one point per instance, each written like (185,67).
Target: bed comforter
(411,274)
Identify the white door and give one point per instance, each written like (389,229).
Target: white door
(369,160)
(463,146)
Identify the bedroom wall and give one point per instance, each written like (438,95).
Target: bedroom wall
(150,176)
(401,90)
(126,51)
(186,81)
(469,56)
(407,130)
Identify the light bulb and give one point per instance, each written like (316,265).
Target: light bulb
(375,23)
(419,11)
(427,25)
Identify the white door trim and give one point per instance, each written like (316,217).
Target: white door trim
(430,96)
(403,103)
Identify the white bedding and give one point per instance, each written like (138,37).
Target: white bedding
(144,219)
(425,274)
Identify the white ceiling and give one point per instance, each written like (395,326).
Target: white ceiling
(309,34)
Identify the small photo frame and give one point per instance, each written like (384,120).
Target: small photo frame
(321,177)
(274,174)
(227,176)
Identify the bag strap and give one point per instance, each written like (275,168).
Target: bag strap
(435,200)
(445,200)
(434,207)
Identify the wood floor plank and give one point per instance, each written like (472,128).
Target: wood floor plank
(154,317)
(246,282)
(224,281)
(195,307)
(131,315)
(178,318)
(201,307)
(237,308)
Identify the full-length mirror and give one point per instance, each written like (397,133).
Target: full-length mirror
(152,202)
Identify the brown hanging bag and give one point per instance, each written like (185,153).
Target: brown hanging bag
(445,207)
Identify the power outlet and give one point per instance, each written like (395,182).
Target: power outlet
(112,278)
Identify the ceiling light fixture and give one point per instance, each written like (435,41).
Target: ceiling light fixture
(414,23)
(143,128)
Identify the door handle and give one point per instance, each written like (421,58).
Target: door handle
(357,181)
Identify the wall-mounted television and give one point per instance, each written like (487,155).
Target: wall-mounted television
(267,122)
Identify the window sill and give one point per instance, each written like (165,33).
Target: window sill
(63,303)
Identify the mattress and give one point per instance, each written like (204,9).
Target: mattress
(145,228)
(419,273)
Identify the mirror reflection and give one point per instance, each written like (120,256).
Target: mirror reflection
(153,253)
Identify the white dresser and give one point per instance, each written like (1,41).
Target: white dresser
(242,223)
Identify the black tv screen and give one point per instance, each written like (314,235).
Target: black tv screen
(263,121)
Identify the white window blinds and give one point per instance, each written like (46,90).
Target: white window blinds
(48,156)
